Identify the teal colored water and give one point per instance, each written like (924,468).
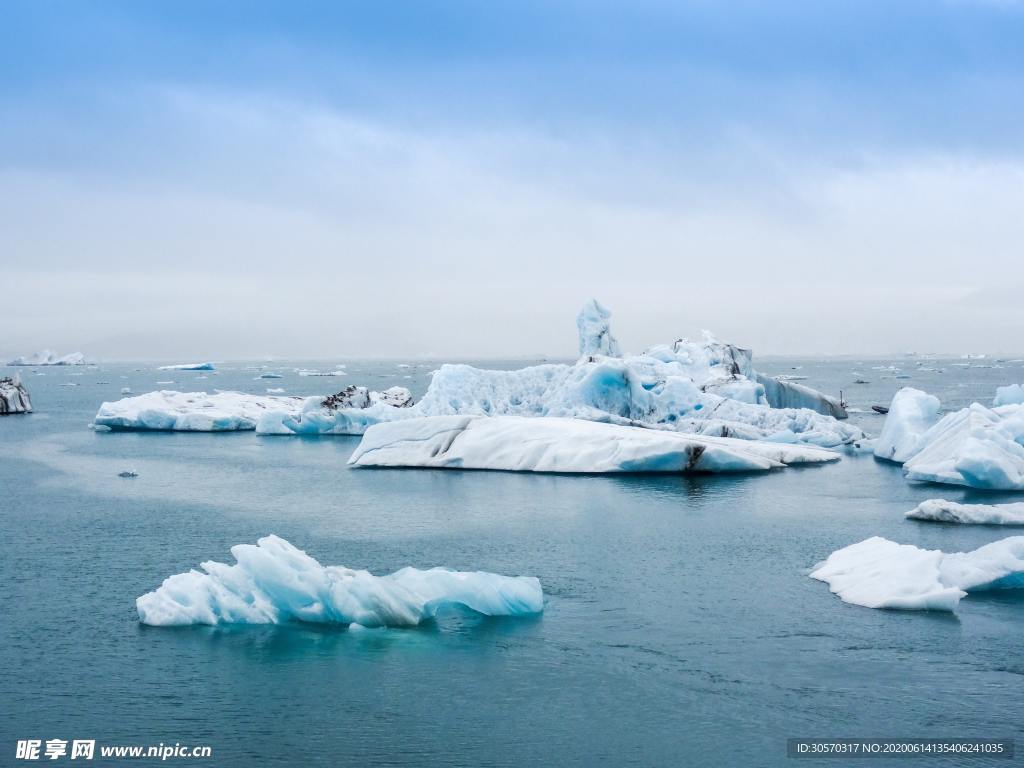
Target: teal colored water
(680,625)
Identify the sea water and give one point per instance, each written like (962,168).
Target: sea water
(680,625)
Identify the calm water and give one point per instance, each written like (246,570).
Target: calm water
(680,625)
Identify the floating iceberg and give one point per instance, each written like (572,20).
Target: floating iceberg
(942,511)
(975,446)
(878,573)
(1011,395)
(273,582)
(547,444)
(707,388)
(911,414)
(46,357)
(187,367)
(13,396)
(192,411)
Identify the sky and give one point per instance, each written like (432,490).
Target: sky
(306,179)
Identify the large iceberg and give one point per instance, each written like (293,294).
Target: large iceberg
(13,396)
(878,573)
(976,446)
(942,511)
(547,444)
(46,357)
(706,387)
(187,367)
(273,582)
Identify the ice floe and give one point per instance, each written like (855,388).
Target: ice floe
(548,444)
(1009,395)
(911,414)
(46,357)
(187,367)
(942,511)
(13,396)
(878,573)
(192,411)
(273,582)
(348,412)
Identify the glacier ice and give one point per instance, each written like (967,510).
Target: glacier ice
(976,446)
(46,357)
(187,367)
(273,582)
(595,333)
(878,573)
(942,511)
(549,444)
(13,396)
(911,414)
(348,412)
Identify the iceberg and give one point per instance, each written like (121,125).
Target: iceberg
(911,414)
(549,444)
(167,410)
(273,582)
(976,446)
(13,396)
(1010,395)
(46,357)
(942,511)
(349,412)
(878,573)
(187,367)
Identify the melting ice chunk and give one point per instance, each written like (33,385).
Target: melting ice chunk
(274,582)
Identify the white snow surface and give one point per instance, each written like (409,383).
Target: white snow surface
(187,367)
(942,511)
(46,357)
(549,444)
(878,573)
(274,582)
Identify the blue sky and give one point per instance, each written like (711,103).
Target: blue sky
(219,179)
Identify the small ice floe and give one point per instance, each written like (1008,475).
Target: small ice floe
(275,391)
(549,444)
(187,367)
(270,375)
(942,511)
(273,582)
(1009,395)
(165,382)
(126,390)
(878,573)
(128,473)
(69,384)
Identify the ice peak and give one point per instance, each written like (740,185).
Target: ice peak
(595,331)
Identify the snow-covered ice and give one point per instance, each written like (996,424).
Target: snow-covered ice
(274,582)
(187,367)
(348,412)
(13,396)
(878,573)
(942,511)
(547,444)
(46,357)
